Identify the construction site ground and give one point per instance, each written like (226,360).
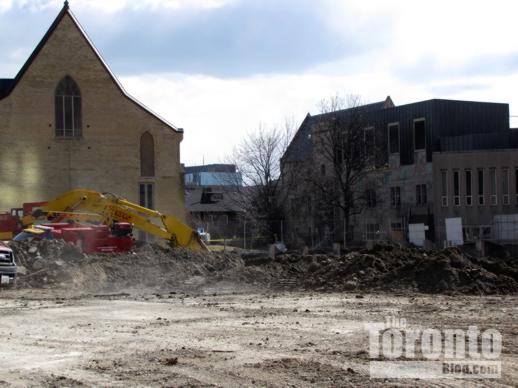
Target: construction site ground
(161,317)
(147,338)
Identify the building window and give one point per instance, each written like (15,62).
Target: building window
(505,186)
(147,155)
(68,108)
(395,197)
(444,188)
(146,195)
(480,173)
(370,197)
(421,197)
(216,197)
(369,141)
(469,197)
(492,186)
(393,132)
(456,188)
(419,134)
(146,200)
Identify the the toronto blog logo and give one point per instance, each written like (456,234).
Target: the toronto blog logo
(399,351)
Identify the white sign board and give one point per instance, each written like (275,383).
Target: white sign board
(454,231)
(416,234)
(506,227)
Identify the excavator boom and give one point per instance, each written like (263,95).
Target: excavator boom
(109,208)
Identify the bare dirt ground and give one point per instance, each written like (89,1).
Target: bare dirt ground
(221,338)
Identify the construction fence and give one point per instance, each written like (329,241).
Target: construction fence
(245,234)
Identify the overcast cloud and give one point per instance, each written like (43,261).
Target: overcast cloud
(220,67)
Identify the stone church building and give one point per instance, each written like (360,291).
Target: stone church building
(66,123)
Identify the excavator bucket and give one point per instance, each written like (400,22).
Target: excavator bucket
(185,236)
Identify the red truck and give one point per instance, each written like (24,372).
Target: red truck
(11,222)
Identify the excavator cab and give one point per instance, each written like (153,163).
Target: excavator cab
(121,229)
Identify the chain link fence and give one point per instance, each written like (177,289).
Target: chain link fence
(245,233)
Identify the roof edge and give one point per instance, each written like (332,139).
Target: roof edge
(38,48)
(66,11)
(295,137)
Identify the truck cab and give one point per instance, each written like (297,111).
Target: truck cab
(7,265)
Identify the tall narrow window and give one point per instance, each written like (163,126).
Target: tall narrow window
(68,108)
(368,138)
(146,195)
(469,198)
(421,195)
(456,188)
(444,188)
(419,134)
(146,199)
(147,155)
(395,197)
(492,186)
(505,186)
(370,197)
(480,173)
(393,132)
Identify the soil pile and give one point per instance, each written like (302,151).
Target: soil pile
(400,269)
(50,263)
(57,264)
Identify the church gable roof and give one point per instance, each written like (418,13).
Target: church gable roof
(8,85)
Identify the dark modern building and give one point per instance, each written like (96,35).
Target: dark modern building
(406,139)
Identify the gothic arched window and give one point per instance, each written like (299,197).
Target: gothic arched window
(147,155)
(68,108)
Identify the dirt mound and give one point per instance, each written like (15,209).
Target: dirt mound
(50,263)
(57,264)
(398,269)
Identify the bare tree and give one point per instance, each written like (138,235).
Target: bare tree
(257,158)
(344,158)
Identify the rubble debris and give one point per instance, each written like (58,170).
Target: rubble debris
(55,263)
(171,361)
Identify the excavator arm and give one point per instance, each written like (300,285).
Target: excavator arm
(109,208)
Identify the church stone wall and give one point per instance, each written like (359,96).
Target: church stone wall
(36,165)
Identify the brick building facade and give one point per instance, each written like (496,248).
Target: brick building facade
(66,122)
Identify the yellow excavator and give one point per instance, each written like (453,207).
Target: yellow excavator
(108,208)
